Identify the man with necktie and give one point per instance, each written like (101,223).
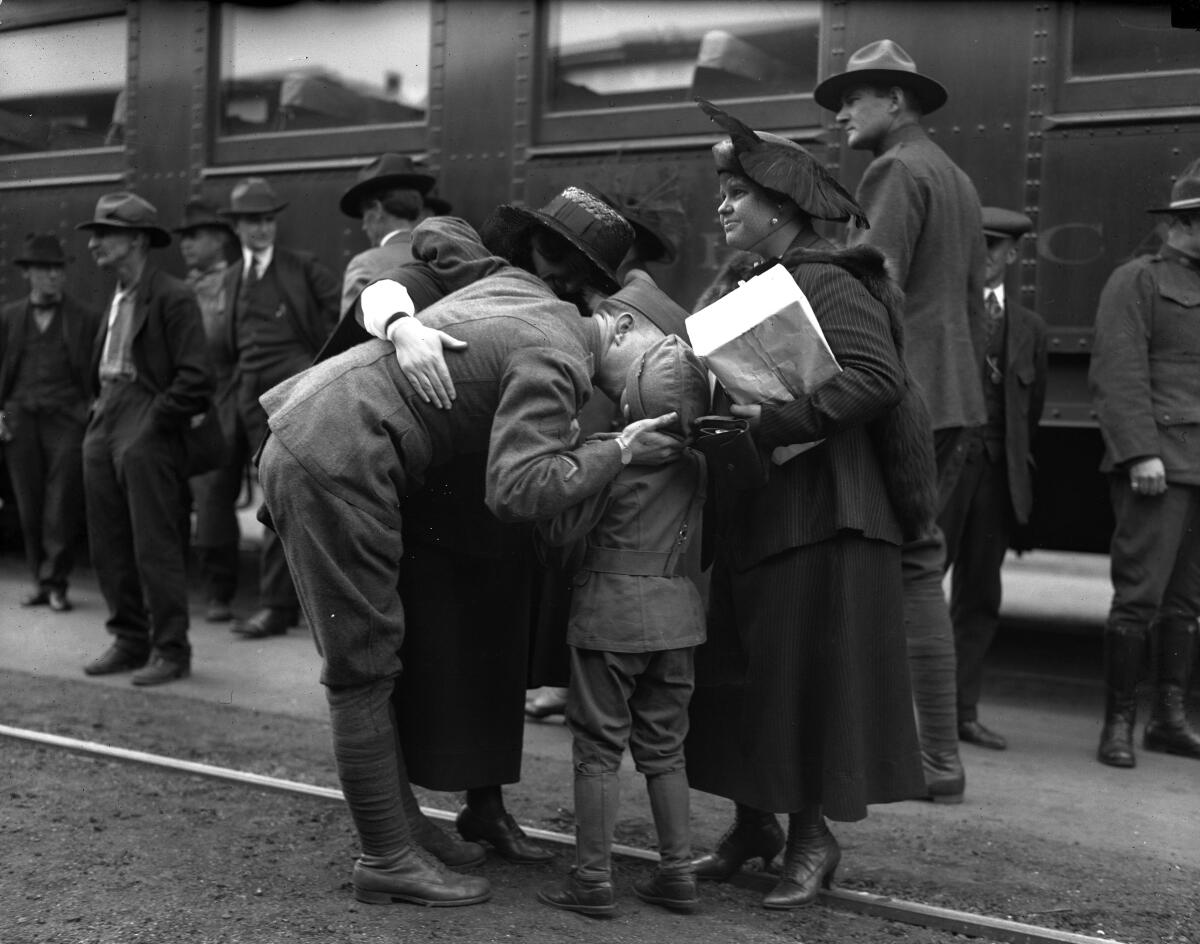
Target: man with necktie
(45,391)
(152,369)
(994,492)
(282,306)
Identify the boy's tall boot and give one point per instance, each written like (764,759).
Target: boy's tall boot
(1124,652)
(674,884)
(588,888)
(1168,730)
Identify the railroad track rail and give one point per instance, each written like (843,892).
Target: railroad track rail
(861,903)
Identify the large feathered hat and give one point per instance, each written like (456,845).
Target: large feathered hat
(783,166)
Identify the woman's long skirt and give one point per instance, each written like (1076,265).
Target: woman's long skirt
(467,584)
(802,692)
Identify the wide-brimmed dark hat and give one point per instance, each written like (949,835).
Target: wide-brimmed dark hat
(386,172)
(253,197)
(581,218)
(783,166)
(125,210)
(41,249)
(1007,224)
(199,213)
(657,217)
(436,205)
(882,62)
(1185,192)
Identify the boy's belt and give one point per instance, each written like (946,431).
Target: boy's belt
(614,560)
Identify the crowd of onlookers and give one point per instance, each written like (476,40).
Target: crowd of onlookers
(492,454)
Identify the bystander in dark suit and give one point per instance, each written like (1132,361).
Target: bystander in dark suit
(151,365)
(388,196)
(282,306)
(994,492)
(204,241)
(45,391)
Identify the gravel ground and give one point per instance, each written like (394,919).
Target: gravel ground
(100,851)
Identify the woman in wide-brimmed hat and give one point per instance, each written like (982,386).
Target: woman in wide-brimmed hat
(802,703)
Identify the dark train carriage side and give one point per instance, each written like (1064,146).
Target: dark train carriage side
(1077,113)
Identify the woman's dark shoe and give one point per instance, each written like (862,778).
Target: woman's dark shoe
(445,848)
(594,899)
(503,834)
(676,892)
(409,878)
(811,859)
(753,835)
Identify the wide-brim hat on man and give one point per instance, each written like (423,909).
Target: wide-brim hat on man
(199,214)
(1185,192)
(783,166)
(42,249)
(386,172)
(884,63)
(1005,224)
(125,210)
(581,218)
(253,196)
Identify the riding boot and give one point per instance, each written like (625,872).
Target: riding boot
(588,889)
(674,884)
(931,666)
(754,834)
(1168,730)
(1124,652)
(811,859)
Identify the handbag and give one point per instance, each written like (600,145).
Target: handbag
(205,442)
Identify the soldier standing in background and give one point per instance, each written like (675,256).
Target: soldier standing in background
(45,391)
(204,241)
(282,305)
(994,494)
(1145,381)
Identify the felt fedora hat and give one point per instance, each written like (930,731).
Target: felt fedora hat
(198,213)
(882,62)
(1009,224)
(583,219)
(253,197)
(386,172)
(41,249)
(125,210)
(1185,192)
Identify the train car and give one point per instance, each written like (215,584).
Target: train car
(1077,113)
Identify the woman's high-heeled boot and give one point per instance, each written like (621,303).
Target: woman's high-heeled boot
(811,859)
(754,834)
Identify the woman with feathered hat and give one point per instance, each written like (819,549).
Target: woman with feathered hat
(802,704)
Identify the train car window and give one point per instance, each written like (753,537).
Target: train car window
(62,86)
(1130,39)
(624,53)
(313,65)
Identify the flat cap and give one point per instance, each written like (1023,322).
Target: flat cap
(998,221)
